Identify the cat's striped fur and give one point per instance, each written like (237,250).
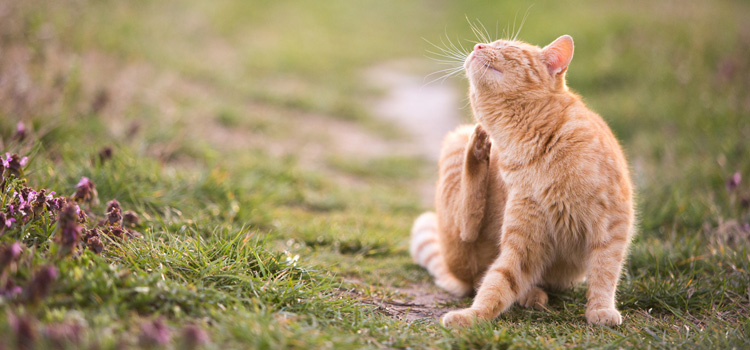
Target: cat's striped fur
(547,204)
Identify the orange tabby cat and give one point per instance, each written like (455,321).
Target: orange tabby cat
(543,202)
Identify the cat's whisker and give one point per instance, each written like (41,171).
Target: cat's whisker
(488,37)
(448,70)
(447,50)
(451,72)
(477,33)
(462,50)
(449,54)
(523,21)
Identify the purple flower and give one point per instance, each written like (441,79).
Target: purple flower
(41,284)
(9,253)
(61,335)
(10,289)
(114,217)
(85,191)
(95,244)
(113,204)
(114,213)
(5,221)
(93,241)
(116,231)
(155,333)
(734,181)
(130,218)
(105,154)
(69,229)
(194,336)
(25,329)
(14,164)
(20,134)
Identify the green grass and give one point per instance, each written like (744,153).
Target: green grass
(211,108)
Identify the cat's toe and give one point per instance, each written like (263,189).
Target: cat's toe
(459,319)
(605,317)
(481,144)
(535,298)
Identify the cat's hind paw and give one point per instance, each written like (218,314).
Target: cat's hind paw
(535,298)
(459,319)
(481,143)
(604,317)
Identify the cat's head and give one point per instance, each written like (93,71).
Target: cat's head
(508,68)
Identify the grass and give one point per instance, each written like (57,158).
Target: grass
(263,232)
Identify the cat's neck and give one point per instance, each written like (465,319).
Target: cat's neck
(522,127)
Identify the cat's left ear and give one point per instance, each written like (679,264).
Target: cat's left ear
(558,54)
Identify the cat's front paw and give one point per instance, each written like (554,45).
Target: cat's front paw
(481,143)
(459,319)
(605,317)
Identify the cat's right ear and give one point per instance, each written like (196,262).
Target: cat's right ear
(558,54)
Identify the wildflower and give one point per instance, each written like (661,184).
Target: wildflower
(113,204)
(734,181)
(39,202)
(95,244)
(133,233)
(85,191)
(25,329)
(93,241)
(20,134)
(9,253)
(69,229)
(10,289)
(14,164)
(105,154)
(41,284)
(82,217)
(55,204)
(194,336)
(115,231)
(154,333)
(5,222)
(130,218)
(65,333)
(114,217)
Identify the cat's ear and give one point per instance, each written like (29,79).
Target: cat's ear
(558,54)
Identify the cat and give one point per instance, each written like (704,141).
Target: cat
(536,196)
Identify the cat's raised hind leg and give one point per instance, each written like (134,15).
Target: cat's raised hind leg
(473,192)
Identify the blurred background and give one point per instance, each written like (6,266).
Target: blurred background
(319,124)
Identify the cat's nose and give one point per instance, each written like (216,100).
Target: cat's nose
(479,46)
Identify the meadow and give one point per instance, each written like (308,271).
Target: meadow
(263,203)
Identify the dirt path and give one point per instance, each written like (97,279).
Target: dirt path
(426,113)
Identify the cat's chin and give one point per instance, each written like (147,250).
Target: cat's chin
(481,73)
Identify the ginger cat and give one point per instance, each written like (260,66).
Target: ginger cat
(537,195)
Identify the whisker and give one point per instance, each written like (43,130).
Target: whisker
(443,77)
(446,52)
(477,33)
(523,21)
(489,37)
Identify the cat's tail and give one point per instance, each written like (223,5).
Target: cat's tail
(425,250)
